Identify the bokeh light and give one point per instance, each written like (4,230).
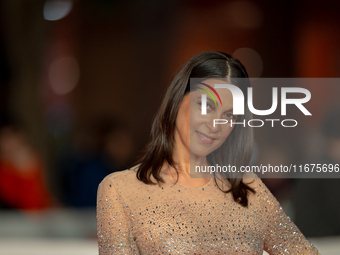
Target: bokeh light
(56,10)
(251,60)
(64,75)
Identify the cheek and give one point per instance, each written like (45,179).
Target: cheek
(183,126)
(226,132)
(197,118)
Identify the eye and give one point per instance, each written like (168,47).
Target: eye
(231,116)
(208,105)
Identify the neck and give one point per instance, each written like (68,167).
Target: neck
(186,163)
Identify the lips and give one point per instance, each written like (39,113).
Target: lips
(208,137)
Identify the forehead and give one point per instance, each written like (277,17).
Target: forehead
(223,93)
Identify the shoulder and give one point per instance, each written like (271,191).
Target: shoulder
(121,184)
(263,195)
(116,189)
(121,178)
(125,184)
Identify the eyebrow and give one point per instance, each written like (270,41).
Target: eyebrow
(212,101)
(209,99)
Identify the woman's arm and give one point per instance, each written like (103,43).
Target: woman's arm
(114,221)
(281,235)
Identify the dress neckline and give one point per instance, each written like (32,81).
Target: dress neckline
(205,185)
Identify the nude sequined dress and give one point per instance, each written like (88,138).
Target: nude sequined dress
(136,218)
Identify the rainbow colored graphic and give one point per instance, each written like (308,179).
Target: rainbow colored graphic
(210,93)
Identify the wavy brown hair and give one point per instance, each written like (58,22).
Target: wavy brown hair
(236,150)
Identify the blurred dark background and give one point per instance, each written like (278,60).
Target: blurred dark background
(80,82)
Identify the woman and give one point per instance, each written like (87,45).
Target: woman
(224,214)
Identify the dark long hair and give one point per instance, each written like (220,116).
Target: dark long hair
(236,150)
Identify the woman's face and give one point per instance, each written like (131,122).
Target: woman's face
(195,131)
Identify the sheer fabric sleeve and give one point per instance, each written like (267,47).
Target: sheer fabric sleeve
(114,221)
(281,235)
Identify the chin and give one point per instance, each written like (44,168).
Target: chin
(201,152)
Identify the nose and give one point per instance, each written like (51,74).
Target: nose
(210,124)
